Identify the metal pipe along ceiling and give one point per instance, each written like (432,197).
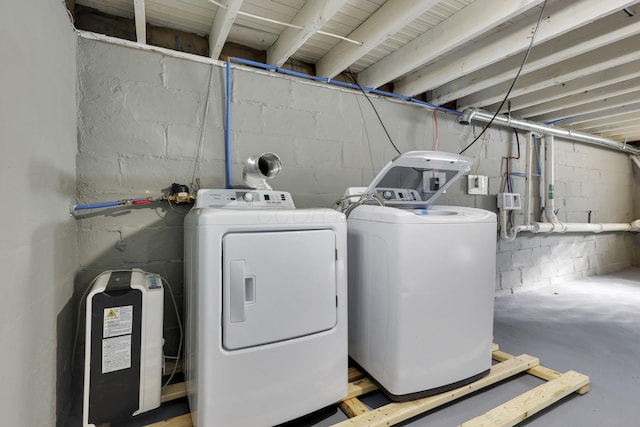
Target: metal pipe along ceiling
(471,114)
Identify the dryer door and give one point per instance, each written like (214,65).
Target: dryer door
(277,286)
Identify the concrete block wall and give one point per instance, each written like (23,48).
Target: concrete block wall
(38,250)
(141,117)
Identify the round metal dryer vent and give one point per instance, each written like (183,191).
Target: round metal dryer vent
(258,169)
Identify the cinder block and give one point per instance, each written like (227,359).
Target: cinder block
(157,104)
(247,117)
(581,264)
(122,134)
(563,266)
(98,173)
(182,141)
(530,241)
(141,174)
(522,258)
(185,75)
(307,96)
(503,261)
(272,90)
(288,122)
(318,154)
(358,156)
(510,279)
(335,180)
(295,180)
(531,275)
(344,128)
(127,64)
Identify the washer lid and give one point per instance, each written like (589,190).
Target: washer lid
(427,174)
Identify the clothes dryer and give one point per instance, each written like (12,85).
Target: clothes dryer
(421,279)
(266,308)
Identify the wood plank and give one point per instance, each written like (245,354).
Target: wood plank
(394,413)
(353,407)
(538,371)
(354,374)
(173,392)
(169,364)
(360,387)
(181,421)
(531,402)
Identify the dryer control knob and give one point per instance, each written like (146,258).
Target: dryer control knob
(248,197)
(387,194)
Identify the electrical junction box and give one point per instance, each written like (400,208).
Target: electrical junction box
(509,201)
(123,346)
(478,184)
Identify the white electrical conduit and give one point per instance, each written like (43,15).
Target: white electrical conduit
(553,225)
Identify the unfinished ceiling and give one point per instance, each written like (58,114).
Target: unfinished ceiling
(583,72)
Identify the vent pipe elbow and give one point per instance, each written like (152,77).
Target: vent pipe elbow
(258,169)
(467,116)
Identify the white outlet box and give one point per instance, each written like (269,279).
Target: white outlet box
(509,201)
(478,184)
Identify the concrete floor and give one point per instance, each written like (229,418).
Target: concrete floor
(591,326)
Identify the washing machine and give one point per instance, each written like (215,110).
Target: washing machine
(266,308)
(421,279)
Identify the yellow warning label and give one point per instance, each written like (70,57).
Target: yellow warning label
(111,313)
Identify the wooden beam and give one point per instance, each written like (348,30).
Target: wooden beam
(569,32)
(312,17)
(590,107)
(602,125)
(585,97)
(472,21)
(141,21)
(360,387)
(173,392)
(353,407)
(222,25)
(531,402)
(391,17)
(606,57)
(630,133)
(180,421)
(561,90)
(394,413)
(612,112)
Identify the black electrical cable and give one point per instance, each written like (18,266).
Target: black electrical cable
(374,109)
(526,56)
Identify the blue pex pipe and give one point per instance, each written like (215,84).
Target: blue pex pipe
(227,135)
(96,205)
(339,83)
(109,204)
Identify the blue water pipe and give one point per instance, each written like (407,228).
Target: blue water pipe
(339,83)
(227,135)
(136,201)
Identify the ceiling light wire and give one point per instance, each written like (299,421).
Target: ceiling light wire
(526,56)
(374,109)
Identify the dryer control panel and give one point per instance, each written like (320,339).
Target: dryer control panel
(244,199)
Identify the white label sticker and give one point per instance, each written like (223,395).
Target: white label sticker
(117,321)
(116,354)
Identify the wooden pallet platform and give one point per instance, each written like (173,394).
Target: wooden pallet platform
(557,386)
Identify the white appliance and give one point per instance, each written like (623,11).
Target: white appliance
(421,279)
(123,346)
(266,313)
